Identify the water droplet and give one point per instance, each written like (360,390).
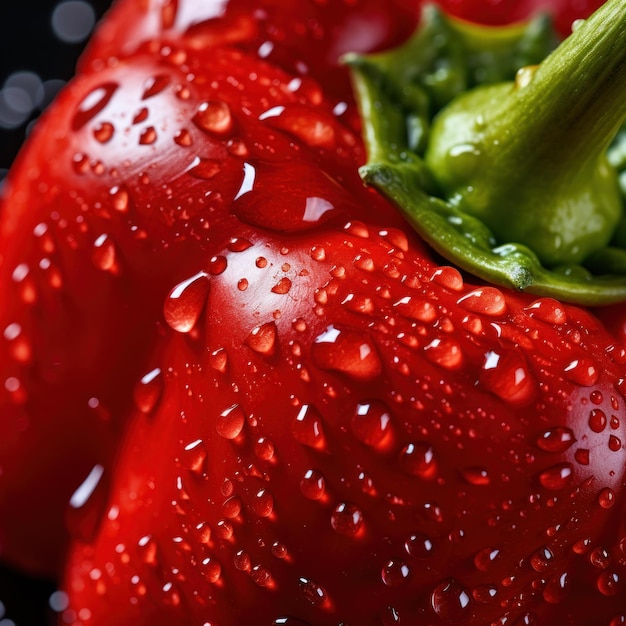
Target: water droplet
(148,550)
(104,254)
(20,347)
(557,439)
(185,303)
(141,116)
(282,286)
(155,85)
(506,376)
(556,589)
(486,300)
(416,309)
(211,570)
(121,199)
(448,277)
(597,420)
(582,372)
(557,477)
(230,422)
(542,559)
(183,138)
(484,559)
(204,169)
(307,427)
(148,136)
(318,253)
(264,448)
(242,561)
(263,503)
(313,485)
(478,476)
(582,456)
(194,456)
(238,244)
(445,352)
(313,593)
(148,391)
(371,423)
(218,360)
(364,262)
(390,617)
(104,132)
(347,519)
(418,459)
(217,265)
(349,352)
(261,576)
(93,104)
(548,310)
(484,594)
(419,546)
(87,505)
(606,498)
(451,601)
(609,583)
(395,572)
(262,339)
(214,118)
(600,558)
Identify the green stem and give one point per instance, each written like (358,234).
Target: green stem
(529,159)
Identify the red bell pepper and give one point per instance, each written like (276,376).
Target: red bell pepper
(239,387)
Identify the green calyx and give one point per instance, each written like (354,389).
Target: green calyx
(505,152)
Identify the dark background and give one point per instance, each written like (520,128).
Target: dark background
(28,43)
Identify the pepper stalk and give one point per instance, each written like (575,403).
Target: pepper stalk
(508,180)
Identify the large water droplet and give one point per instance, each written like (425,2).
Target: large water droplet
(395,572)
(582,372)
(371,423)
(103,133)
(349,352)
(485,558)
(416,309)
(104,254)
(262,339)
(263,503)
(230,422)
(557,439)
(542,559)
(486,300)
(347,519)
(507,376)
(418,459)
(148,391)
(445,352)
(185,303)
(548,310)
(211,569)
(557,477)
(448,277)
(155,85)
(450,601)
(93,104)
(312,592)
(307,427)
(313,485)
(419,546)
(193,456)
(597,420)
(214,118)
